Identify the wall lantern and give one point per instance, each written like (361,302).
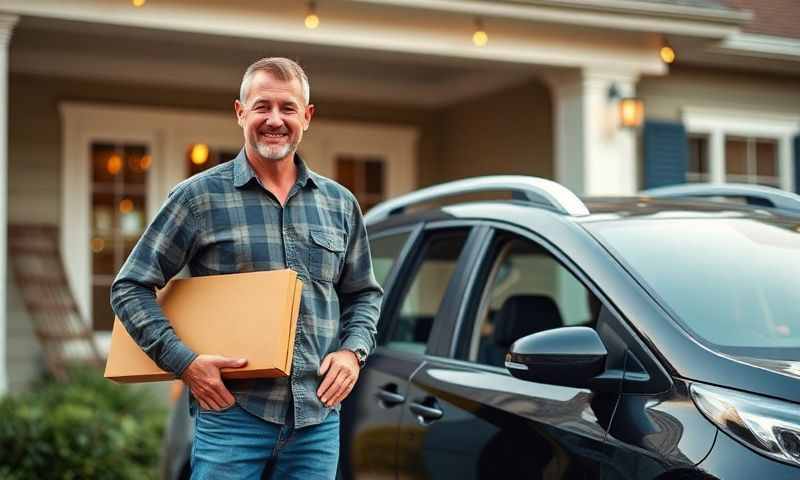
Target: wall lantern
(630,110)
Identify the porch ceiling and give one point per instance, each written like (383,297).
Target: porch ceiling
(122,54)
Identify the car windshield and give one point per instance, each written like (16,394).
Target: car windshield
(732,283)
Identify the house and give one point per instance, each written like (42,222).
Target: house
(105,104)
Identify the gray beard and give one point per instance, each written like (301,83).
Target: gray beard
(274,152)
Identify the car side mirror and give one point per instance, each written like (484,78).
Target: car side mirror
(566,356)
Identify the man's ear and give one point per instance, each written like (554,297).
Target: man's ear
(309,114)
(238,108)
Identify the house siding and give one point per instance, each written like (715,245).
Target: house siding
(665,97)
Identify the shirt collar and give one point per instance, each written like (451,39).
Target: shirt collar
(243,172)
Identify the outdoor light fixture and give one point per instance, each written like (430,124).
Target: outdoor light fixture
(138,3)
(312,19)
(630,110)
(667,54)
(480,38)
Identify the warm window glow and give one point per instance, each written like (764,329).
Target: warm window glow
(114,164)
(126,205)
(145,162)
(98,244)
(138,3)
(199,153)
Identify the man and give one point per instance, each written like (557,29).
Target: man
(264,210)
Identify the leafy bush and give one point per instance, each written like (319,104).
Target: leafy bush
(89,428)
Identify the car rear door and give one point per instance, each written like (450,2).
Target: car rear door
(415,276)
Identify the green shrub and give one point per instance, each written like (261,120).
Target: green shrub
(89,428)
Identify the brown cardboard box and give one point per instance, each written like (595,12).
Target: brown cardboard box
(243,315)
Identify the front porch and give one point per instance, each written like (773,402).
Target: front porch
(395,86)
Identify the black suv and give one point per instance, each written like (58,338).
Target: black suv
(545,336)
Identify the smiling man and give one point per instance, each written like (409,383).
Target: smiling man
(264,210)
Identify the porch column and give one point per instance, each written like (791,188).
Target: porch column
(593,156)
(7,23)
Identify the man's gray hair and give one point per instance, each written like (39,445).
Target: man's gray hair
(281,68)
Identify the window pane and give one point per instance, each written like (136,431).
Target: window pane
(374,177)
(529,291)
(137,162)
(364,176)
(425,294)
(766,158)
(736,156)
(201,157)
(346,173)
(118,213)
(385,252)
(698,159)
(106,163)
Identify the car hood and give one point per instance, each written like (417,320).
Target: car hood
(785,367)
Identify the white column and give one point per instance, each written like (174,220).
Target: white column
(593,155)
(7,23)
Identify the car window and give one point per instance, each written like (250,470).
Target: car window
(424,289)
(730,282)
(526,291)
(385,251)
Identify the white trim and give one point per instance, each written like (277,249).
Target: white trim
(719,123)
(6,28)
(761,46)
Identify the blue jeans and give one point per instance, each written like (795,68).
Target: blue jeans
(234,444)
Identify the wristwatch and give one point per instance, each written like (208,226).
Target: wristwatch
(361,355)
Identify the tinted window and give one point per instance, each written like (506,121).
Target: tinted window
(424,290)
(385,252)
(527,291)
(730,282)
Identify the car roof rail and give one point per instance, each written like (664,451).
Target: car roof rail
(539,191)
(754,194)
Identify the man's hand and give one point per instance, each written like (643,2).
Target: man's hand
(203,379)
(341,372)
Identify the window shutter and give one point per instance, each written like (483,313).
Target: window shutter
(797,164)
(666,153)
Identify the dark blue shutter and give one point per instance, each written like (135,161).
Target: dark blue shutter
(666,153)
(797,164)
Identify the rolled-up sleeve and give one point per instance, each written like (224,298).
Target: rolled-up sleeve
(162,251)
(360,295)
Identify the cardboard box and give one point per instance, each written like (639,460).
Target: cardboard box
(244,315)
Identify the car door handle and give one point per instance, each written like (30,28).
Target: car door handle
(389,398)
(425,414)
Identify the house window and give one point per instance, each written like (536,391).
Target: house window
(200,157)
(742,146)
(364,176)
(119,179)
(751,160)
(698,170)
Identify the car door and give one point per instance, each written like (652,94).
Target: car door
(415,280)
(467,418)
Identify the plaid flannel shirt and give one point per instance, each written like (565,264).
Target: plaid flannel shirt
(224,221)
